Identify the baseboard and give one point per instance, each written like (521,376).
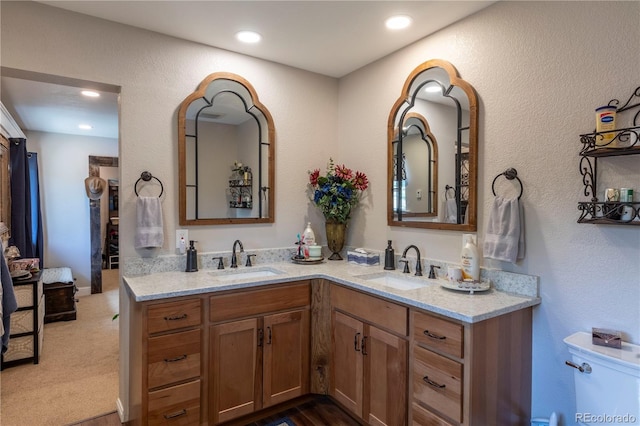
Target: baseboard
(121,413)
(83,291)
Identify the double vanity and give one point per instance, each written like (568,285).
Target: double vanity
(216,346)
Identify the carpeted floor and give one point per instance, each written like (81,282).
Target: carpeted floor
(77,377)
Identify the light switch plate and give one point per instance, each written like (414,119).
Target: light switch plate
(182,233)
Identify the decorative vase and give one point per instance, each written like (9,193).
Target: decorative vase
(335,238)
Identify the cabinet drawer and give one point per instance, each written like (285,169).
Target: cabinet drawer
(437,382)
(19,348)
(24,295)
(22,322)
(177,405)
(255,302)
(376,311)
(174,315)
(173,358)
(443,335)
(424,417)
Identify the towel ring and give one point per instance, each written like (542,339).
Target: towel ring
(446,191)
(146,177)
(510,174)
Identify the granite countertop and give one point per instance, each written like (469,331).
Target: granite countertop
(428,295)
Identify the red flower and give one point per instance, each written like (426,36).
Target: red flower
(360,181)
(343,172)
(313,177)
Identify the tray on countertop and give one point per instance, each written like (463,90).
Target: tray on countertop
(309,261)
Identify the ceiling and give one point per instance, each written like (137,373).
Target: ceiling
(332,38)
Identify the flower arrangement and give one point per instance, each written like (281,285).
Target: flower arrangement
(338,191)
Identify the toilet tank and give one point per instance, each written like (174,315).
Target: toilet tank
(610,393)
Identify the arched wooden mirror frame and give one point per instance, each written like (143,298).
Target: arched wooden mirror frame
(454,80)
(266,187)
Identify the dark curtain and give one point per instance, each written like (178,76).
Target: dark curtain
(26,222)
(36,214)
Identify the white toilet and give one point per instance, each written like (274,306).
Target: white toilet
(607,382)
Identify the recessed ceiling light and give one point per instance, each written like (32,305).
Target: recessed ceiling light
(85,126)
(248,36)
(90,93)
(398,22)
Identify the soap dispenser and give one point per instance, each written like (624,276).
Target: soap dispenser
(192,258)
(389,257)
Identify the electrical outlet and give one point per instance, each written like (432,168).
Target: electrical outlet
(182,233)
(419,194)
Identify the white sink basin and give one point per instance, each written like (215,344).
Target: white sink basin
(246,274)
(394,281)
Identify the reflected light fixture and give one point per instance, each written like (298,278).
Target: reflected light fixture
(398,22)
(85,126)
(432,88)
(248,36)
(91,93)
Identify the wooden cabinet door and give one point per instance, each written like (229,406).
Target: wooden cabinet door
(385,386)
(286,356)
(234,369)
(347,362)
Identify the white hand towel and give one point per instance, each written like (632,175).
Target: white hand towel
(149,231)
(504,239)
(450,211)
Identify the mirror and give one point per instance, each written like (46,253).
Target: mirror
(432,151)
(226,154)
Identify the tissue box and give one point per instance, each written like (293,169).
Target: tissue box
(368,259)
(605,337)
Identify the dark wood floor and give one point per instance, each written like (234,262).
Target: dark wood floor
(319,411)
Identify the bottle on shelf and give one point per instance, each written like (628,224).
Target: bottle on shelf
(309,235)
(470,258)
(389,257)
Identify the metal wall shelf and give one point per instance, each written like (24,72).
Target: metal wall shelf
(594,146)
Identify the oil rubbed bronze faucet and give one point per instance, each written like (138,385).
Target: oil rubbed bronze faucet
(406,261)
(234,259)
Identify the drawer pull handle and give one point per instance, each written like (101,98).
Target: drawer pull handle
(432,383)
(355,342)
(434,336)
(181,317)
(176,414)
(179,358)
